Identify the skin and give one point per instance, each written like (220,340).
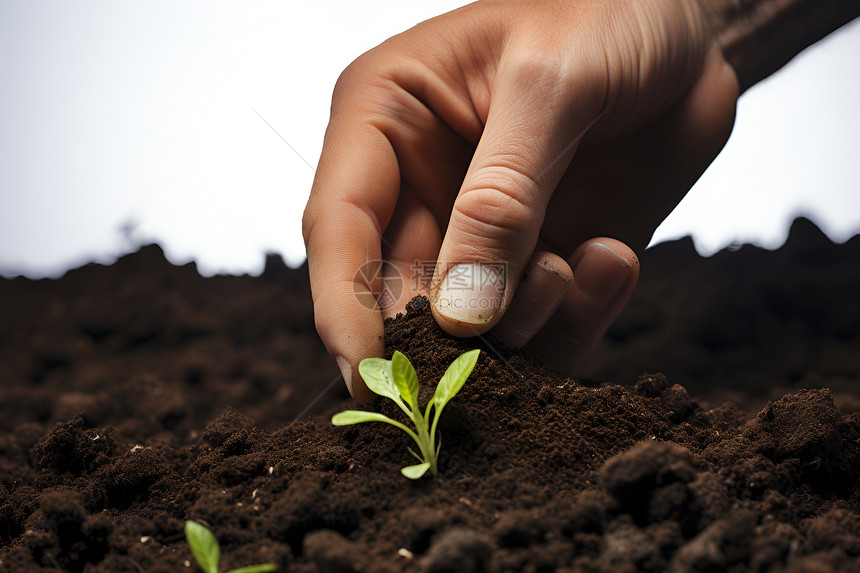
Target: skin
(526,133)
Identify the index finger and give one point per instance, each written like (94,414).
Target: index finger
(352,199)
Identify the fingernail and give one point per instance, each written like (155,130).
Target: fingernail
(472,293)
(601,273)
(346,372)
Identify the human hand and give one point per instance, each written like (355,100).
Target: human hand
(509,135)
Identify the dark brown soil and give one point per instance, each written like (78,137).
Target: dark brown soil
(136,396)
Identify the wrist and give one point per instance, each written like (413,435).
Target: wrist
(758,37)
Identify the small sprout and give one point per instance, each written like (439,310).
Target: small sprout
(396,379)
(207,553)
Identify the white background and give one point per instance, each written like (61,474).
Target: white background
(122,123)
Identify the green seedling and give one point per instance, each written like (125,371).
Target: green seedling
(396,379)
(205,549)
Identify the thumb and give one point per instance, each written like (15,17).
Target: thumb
(496,218)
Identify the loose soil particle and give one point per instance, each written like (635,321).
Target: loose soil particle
(136,396)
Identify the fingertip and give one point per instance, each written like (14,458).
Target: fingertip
(345,372)
(354,382)
(605,269)
(455,326)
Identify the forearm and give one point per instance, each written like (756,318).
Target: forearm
(758,37)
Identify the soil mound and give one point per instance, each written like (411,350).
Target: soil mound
(114,382)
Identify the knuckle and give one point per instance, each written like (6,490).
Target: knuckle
(308,222)
(355,76)
(352,73)
(320,322)
(371,88)
(497,206)
(545,79)
(534,69)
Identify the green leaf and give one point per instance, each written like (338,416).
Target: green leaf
(454,378)
(376,373)
(264,568)
(405,378)
(204,546)
(415,472)
(348,417)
